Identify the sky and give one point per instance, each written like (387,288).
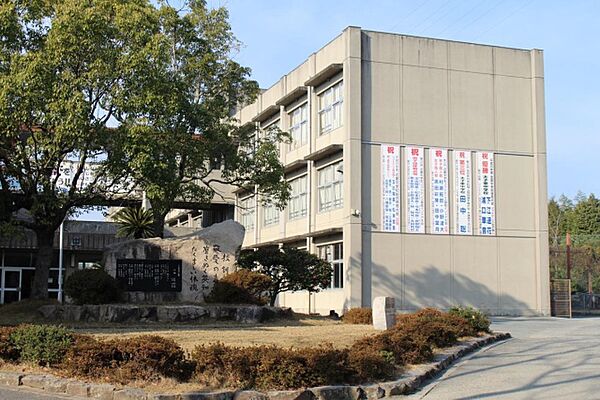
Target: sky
(278,35)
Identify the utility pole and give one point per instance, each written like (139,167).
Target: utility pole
(568,255)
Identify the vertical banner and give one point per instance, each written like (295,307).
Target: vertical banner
(415,187)
(485,193)
(462,193)
(438,167)
(390,188)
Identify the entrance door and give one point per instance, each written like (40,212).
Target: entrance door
(11,285)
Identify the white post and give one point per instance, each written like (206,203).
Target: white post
(60,262)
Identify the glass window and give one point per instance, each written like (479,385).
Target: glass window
(299,126)
(331,186)
(247,211)
(330,108)
(270,215)
(298,198)
(334,253)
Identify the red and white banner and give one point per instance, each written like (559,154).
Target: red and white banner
(463,193)
(438,167)
(390,188)
(486,206)
(415,188)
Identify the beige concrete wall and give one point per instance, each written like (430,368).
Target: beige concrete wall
(432,93)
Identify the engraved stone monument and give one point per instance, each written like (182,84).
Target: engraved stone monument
(384,313)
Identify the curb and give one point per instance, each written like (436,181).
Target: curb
(409,382)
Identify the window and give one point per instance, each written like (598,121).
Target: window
(334,253)
(298,198)
(330,108)
(299,126)
(247,211)
(270,215)
(331,186)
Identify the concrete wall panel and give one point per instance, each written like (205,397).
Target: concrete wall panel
(513,114)
(515,204)
(471,110)
(518,281)
(381,102)
(470,57)
(425,106)
(424,52)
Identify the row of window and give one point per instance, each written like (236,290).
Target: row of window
(330,190)
(330,103)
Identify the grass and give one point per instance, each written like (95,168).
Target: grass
(301,331)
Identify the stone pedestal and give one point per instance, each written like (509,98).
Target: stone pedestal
(384,313)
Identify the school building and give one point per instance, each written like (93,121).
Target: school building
(417,168)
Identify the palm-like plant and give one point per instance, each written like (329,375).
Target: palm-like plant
(135,223)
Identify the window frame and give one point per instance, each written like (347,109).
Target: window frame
(327,252)
(274,219)
(329,188)
(328,110)
(247,213)
(299,126)
(302,211)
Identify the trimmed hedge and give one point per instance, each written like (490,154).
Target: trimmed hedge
(240,287)
(8,352)
(150,358)
(41,344)
(93,286)
(477,319)
(145,357)
(358,316)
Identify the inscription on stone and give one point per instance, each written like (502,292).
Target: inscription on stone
(149,275)
(384,313)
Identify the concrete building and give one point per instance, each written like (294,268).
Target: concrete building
(418,168)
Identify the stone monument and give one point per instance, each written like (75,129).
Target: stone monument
(384,313)
(179,269)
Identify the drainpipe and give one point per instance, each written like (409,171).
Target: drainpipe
(309,172)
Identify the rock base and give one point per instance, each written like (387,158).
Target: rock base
(135,313)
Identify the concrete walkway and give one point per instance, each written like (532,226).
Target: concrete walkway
(548,358)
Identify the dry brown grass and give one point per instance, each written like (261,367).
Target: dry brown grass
(302,332)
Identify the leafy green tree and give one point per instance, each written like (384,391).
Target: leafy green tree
(587,215)
(64,66)
(135,222)
(183,143)
(289,269)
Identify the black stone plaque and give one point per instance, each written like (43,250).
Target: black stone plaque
(149,275)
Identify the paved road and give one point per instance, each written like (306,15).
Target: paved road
(548,358)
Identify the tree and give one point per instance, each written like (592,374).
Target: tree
(135,222)
(64,66)
(289,269)
(183,142)
(587,215)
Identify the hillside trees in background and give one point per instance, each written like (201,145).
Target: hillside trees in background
(580,217)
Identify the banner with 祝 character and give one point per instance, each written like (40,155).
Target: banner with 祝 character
(438,160)
(462,193)
(415,188)
(485,193)
(390,188)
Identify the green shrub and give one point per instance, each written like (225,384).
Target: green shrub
(93,286)
(121,361)
(41,344)
(477,319)
(405,347)
(371,363)
(358,316)
(8,352)
(240,287)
